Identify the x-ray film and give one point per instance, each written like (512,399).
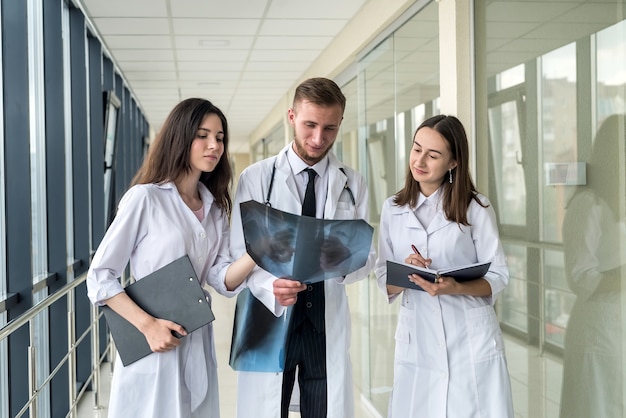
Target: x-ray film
(301,247)
(259,337)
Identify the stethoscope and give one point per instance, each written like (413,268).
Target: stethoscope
(269,191)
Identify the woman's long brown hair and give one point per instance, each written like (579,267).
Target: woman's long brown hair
(458,194)
(169,155)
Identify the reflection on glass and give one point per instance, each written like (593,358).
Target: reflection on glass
(270,145)
(558,300)
(504,131)
(398,86)
(512,304)
(611,73)
(346,146)
(378,173)
(568,61)
(111,109)
(377,76)
(511,77)
(559,130)
(594,238)
(276,141)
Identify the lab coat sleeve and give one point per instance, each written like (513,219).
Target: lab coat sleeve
(260,282)
(579,242)
(488,245)
(217,273)
(127,229)
(360,192)
(385,251)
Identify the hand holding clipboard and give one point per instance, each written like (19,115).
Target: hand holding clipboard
(172,292)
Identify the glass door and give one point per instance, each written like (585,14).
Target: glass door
(509,190)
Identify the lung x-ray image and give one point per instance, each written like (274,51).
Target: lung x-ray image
(304,248)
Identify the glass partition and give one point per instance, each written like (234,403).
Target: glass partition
(551,81)
(270,145)
(396,88)
(4,375)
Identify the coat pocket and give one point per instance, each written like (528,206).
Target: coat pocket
(344,210)
(484,333)
(405,348)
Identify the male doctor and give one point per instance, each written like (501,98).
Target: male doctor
(318,340)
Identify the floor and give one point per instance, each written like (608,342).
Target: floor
(535,377)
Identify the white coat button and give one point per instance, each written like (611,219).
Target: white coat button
(200,259)
(202,235)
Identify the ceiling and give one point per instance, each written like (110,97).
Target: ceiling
(247,55)
(243,55)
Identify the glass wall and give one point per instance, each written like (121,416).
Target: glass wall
(270,145)
(52,80)
(395,89)
(554,77)
(550,95)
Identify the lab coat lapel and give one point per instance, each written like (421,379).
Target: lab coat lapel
(438,223)
(289,202)
(411,220)
(336,182)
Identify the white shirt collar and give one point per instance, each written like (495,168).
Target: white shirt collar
(432,199)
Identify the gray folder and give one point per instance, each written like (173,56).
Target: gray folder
(171,292)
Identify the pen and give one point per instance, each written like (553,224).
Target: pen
(416,251)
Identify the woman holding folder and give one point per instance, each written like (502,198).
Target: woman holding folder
(178,204)
(449,355)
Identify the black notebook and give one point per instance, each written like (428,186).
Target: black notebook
(171,292)
(397,273)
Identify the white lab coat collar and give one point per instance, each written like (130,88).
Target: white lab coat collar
(205,195)
(438,222)
(434,198)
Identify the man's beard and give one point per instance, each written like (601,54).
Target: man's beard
(305,156)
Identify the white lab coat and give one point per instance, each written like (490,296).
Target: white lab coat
(259,394)
(152,228)
(449,356)
(594,266)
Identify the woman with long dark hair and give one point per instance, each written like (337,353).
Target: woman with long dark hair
(449,355)
(178,204)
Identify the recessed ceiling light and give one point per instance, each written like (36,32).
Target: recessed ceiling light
(214,42)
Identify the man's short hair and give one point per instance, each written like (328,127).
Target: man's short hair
(320,91)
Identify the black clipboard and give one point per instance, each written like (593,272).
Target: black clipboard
(171,292)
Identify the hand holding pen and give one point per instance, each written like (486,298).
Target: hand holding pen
(417,259)
(420,281)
